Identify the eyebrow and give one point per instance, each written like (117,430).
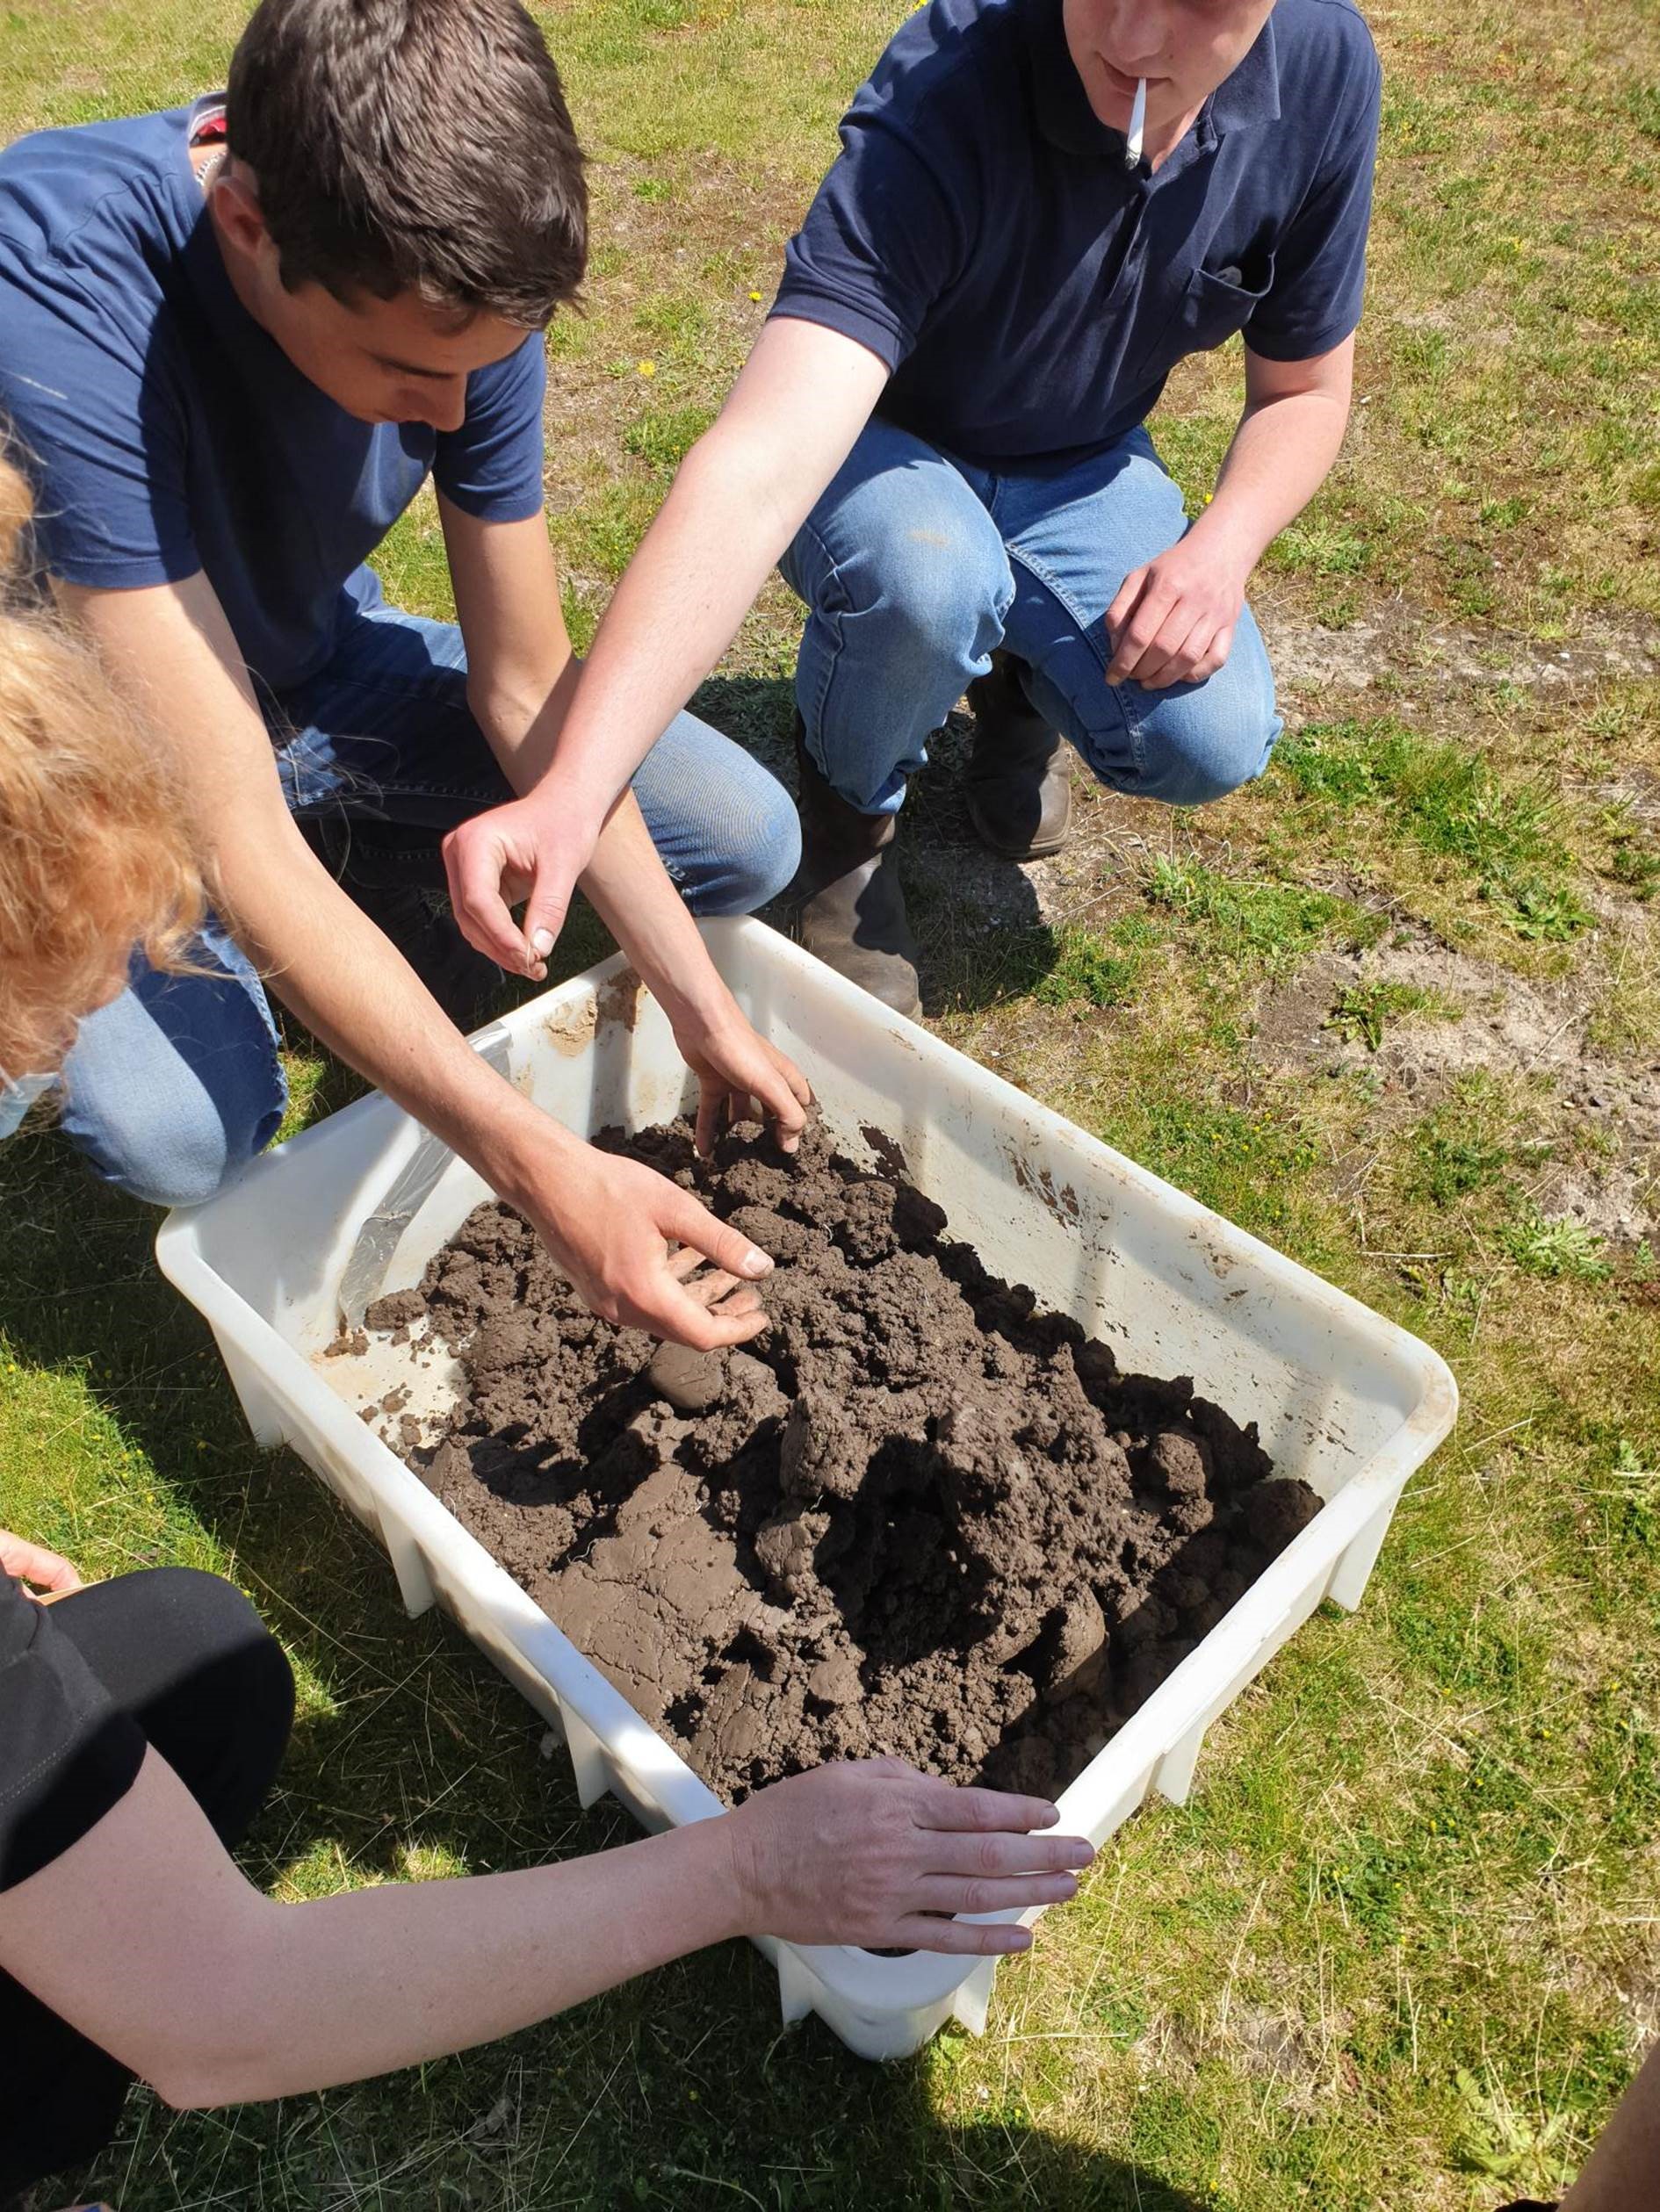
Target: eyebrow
(407,368)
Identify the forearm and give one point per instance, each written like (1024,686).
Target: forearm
(677,609)
(1281,453)
(742,492)
(631,890)
(326,960)
(348,1987)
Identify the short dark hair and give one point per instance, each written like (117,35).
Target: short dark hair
(413,146)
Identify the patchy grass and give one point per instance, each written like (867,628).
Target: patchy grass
(1399,1947)
(1365,1009)
(1554,1249)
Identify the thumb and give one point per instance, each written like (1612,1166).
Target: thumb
(730,1250)
(547,907)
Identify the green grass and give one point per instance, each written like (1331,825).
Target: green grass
(1365,1009)
(1397,1950)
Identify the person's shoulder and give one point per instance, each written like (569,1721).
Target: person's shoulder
(1326,51)
(57,185)
(944,56)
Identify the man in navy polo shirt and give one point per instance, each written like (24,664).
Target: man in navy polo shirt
(942,435)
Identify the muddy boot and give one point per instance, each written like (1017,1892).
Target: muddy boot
(846,904)
(1019,785)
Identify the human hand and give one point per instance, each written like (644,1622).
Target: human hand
(1174,618)
(736,1070)
(523,850)
(876,1854)
(31,1564)
(612,1227)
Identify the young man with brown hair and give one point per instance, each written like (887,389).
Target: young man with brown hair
(235,339)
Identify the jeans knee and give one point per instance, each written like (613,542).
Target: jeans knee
(184,1160)
(760,851)
(1208,739)
(940,599)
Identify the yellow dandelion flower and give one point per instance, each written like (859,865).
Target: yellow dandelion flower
(647,368)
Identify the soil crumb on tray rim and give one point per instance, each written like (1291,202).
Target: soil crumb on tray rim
(918,1515)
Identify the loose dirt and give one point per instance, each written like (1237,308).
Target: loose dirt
(918,1515)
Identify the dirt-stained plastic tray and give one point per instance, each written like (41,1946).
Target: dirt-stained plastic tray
(1342,1397)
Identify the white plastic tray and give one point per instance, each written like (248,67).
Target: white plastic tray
(1342,1397)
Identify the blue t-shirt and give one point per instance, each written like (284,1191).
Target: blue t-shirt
(981,235)
(167,434)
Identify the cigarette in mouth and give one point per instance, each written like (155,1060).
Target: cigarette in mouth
(1137,123)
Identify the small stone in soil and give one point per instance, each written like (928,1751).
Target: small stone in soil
(688,1379)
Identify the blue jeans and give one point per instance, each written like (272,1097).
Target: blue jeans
(915,568)
(175,1085)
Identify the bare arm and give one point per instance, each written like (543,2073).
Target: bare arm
(1174,620)
(522,678)
(609,1222)
(146,1937)
(742,492)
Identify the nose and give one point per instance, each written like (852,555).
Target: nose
(442,406)
(1136,33)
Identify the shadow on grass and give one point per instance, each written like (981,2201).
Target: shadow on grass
(679,2090)
(976,916)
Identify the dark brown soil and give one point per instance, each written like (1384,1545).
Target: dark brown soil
(918,1515)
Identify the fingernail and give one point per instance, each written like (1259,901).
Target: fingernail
(1112,682)
(543,942)
(757,1264)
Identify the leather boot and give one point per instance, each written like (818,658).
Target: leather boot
(1019,785)
(846,902)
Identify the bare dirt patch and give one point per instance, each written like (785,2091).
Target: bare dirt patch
(1510,1026)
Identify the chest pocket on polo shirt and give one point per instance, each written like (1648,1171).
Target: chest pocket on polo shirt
(1217,301)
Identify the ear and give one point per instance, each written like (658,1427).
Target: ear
(234,203)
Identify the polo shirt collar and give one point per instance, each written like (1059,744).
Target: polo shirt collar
(1245,100)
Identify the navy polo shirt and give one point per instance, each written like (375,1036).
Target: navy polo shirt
(167,433)
(981,233)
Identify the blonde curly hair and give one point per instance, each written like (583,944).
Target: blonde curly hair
(94,858)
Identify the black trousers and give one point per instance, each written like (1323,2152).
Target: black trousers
(187,1656)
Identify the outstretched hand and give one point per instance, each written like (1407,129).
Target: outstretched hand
(876,1854)
(633,1244)
(1174,618)
(738,1071)
(514,852)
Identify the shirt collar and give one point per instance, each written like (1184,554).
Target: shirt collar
(1245,100)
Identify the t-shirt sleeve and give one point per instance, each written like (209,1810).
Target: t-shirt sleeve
(1319,269)
(67,1755)
(491,466)
(884,238)
(92,418)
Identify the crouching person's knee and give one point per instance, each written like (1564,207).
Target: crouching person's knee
(1201,741)
(169,1110)
(180,1156)
(752,841)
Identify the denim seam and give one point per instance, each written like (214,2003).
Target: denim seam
(832,619)
(1086,630)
